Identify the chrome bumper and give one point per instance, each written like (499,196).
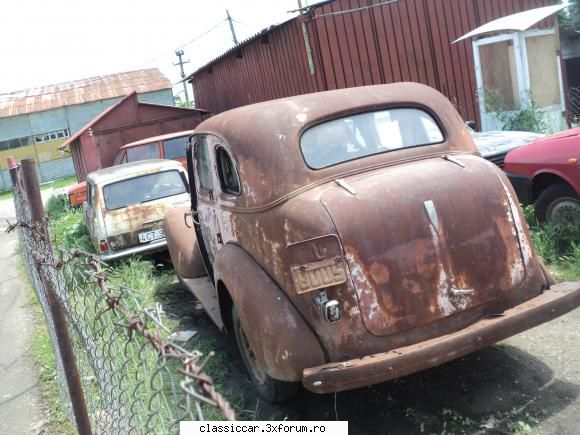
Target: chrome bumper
(157,245)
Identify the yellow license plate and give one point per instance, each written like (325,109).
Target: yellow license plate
(321,274)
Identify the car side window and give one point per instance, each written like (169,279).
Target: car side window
(229,180)
(143,152)
(124,159)
(203,164)
(174,148)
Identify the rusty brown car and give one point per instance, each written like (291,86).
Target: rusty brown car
(355,236)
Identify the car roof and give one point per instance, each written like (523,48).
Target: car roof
(264,137)
(131,170)
(158,138)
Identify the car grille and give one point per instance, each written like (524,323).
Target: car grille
(497,159)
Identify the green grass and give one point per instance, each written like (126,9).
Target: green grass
(43,355)
(558,245)
(50,185)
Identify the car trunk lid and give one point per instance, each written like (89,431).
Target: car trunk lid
(426,240)
(125,224)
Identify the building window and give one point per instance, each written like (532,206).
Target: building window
(15,143)
(51,135)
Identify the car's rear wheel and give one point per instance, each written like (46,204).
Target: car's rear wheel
(558,203)
(269,388)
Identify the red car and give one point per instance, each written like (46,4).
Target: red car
(547,172)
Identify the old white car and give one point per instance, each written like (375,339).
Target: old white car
(126,204)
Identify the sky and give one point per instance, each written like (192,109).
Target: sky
(51,41)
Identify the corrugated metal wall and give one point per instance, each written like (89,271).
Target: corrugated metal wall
(409,40)
(47,171)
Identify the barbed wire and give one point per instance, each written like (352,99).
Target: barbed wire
(135,379)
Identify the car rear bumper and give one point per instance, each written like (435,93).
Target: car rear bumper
(372,369)
(158,245)
(523,187)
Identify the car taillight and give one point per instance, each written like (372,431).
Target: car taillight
(104,245)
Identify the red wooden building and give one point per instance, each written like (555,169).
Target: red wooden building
(346,43)
(96,144)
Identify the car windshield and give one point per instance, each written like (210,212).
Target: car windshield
(174,148)
(143,152)
(143,189)
(355,136)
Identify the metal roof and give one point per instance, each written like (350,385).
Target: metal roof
(81,91)
(132,170)
(515,22)
(159,138)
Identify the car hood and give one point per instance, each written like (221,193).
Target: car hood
(490,143)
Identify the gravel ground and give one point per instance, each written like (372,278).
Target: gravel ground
(528,383)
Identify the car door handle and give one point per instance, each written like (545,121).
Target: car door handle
(151,221)
(461,291)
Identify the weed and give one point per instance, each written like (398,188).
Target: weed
(43,355)
(69,231)
(557,244)
(528,117)
(56,206)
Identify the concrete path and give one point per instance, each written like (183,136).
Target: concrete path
(21,410)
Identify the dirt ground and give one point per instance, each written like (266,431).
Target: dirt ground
(21,408)
(528,383)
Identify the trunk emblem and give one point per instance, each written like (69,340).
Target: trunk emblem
(432,214)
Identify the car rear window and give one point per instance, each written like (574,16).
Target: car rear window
(143,152)
(174,148)
(365,134)
(143,189)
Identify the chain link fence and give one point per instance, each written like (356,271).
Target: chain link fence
(133,377)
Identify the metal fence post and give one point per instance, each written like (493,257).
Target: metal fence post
(63,338)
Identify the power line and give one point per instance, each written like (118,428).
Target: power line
(202,34)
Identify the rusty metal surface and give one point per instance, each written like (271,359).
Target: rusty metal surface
(182,243)
(82,91)
(408,40)
(281,161)
(432,245)
(281,340)
(396,363)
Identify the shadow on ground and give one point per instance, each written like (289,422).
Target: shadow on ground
(501,389)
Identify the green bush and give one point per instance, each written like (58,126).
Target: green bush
(557,244)
(69,231)
(56,206)
(527,118)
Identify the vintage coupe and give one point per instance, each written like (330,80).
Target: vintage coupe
(354,236)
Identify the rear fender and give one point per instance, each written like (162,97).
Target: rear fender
(280,338)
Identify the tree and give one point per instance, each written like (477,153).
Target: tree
(180,103)
(569,18)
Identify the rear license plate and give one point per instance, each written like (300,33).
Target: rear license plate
(314,276)
(149,236)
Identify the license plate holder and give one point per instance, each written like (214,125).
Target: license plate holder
(150,236)
(320,274)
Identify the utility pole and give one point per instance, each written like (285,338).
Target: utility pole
(229,18)
(179,54)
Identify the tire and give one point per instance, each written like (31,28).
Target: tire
(558,201)
(269,388)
